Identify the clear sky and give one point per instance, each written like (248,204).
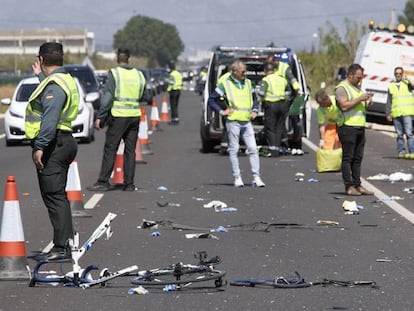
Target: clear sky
(201,23)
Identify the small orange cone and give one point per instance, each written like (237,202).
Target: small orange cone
(143,135)
(164,110)
(138,154)
(74,192)
(13,256)
(118,172)
(155,117)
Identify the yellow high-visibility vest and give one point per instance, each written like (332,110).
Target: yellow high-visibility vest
(129,87)
(402,103)
(70,109)
(356,115)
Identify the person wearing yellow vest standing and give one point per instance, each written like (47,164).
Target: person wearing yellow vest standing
(242,108)
(327,114)
(400,110)
(293,89)
(352,102)
(120,107)
(175,85)
(52,106)
(273,94)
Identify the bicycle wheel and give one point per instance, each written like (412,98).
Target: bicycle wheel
(179,274)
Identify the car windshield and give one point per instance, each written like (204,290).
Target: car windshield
(24,92)
(86,78)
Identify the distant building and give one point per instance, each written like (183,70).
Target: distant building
(27,42)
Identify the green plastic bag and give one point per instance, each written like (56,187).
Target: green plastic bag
(297,106)
(328,160)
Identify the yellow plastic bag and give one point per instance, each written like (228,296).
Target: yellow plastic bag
(328,160)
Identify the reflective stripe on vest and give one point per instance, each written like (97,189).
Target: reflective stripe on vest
(129,87)
(240,100)
(69,112)
(356,115)
(402,103)
(276,86)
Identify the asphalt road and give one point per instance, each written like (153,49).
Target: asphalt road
(375,245)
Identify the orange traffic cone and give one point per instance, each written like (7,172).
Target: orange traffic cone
(164,110)
(155,117)
(143,135)
(13,256)
(118,172)
(138,154)
(73,191)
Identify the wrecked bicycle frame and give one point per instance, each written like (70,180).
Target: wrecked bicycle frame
(82,277)
(183,275)
(298,282)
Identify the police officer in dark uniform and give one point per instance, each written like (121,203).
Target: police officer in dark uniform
(120,107)
(52,106)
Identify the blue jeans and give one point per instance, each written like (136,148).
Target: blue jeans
(404,125)
(244,130)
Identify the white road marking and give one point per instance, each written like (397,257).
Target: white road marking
(398,208)
(93,201)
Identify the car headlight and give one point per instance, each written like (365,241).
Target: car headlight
(16,115)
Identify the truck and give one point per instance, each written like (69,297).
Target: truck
(211,125)
(379,52)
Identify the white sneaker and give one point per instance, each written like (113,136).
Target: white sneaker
(258,182)
(238,182)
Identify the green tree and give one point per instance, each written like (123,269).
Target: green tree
(407,17)
(151,38)
(333,52)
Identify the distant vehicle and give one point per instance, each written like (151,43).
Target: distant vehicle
(88,80)
(379,52)
(101,76)
(14,118)
(161,76)
(151,88)
(211,125)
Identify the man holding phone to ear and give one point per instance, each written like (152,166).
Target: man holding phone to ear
(400,110)
(353,103)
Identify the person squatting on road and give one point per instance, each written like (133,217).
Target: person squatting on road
(243,107)
(175,85)
(400,110)
(273,94)
(352,102)
(328,114)
(52,106)
(120,107)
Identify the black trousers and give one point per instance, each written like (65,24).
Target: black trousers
(274,122)
(120,128)
(174,99)
(52,181)
(353,143)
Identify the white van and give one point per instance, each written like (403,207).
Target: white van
(379,52)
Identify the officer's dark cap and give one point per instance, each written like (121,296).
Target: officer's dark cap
(51,48)
(123,51)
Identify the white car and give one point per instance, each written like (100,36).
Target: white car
(83,125)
